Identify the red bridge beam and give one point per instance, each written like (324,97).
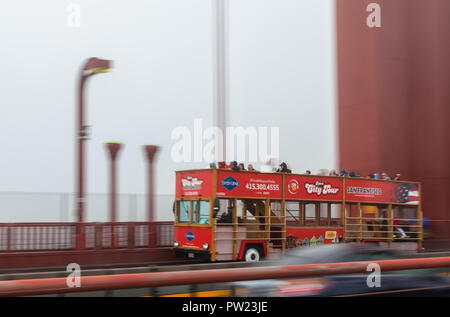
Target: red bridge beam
(141,280)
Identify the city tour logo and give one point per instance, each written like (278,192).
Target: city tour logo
(191,183)
(319,188)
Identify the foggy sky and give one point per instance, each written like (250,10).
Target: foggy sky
(282,73)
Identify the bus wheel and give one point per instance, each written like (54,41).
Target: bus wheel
(252,255)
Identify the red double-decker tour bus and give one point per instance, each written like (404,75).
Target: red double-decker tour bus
(242,215)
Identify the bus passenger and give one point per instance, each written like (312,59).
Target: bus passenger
(333,173)
(250,168)
(241,167)
(400,231)
(226,217)
(283,168)
(234,166)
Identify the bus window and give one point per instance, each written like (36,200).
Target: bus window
(275,208)
(184,207)
(221,207)
(292,213)
(310,214)
(336,214)
(201,212)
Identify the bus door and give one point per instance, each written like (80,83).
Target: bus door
(224,210)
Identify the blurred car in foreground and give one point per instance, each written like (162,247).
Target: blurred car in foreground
(395,283)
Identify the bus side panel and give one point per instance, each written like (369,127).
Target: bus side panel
(298,237)
(192,237)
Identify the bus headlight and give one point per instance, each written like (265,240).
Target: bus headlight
(176,244)
(205,246)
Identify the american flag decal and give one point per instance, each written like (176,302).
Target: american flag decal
(407,193)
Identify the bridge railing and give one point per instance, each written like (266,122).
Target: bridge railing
(144,280)
(51,236)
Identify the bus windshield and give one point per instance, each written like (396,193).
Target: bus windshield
(201,212)
(183,211)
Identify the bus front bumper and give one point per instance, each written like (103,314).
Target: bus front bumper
(192,254)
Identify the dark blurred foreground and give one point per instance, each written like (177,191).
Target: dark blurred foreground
(423,282)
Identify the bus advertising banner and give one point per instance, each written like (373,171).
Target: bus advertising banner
(313,187)
(379,191)
(249,185)
(194,183)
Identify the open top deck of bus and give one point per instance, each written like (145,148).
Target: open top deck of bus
(211,183)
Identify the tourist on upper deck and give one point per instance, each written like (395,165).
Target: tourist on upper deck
(308,172)
(385,176)
(222,164)
(234,166)
(397,177)
(250,168)
(353,174)
(333,173)
(241,167)
(343,173)
(212,165)
(283,168)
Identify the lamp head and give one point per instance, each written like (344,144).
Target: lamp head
(113,148)
(96,65)
(150,151)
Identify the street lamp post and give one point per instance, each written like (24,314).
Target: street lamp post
(91,67)
(113,150)
(150,151)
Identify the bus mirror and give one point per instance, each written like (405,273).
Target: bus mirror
(216,205)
